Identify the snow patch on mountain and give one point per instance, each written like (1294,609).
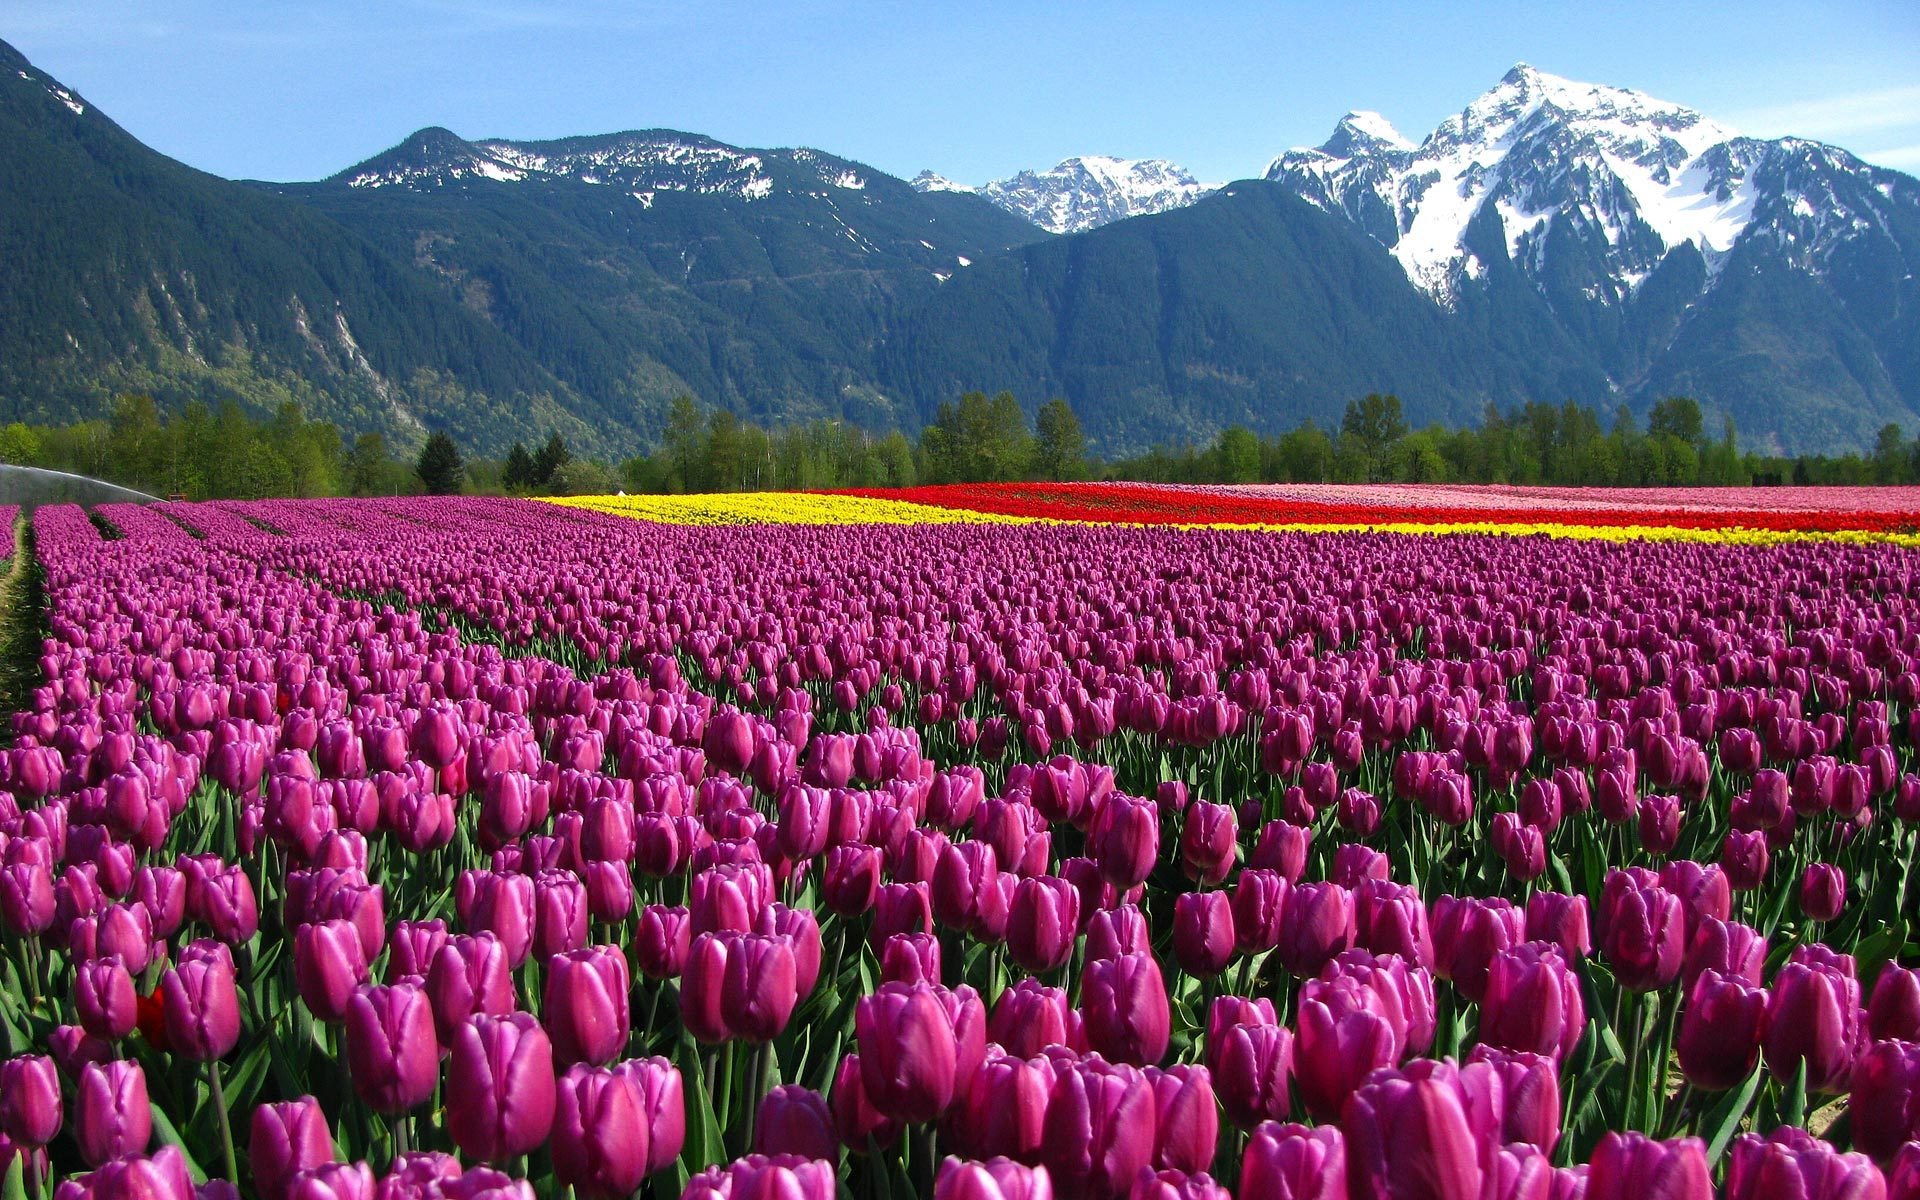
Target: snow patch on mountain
(1094,190)
(930,181)
(1647,174)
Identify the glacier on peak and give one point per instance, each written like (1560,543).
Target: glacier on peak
(1534,151)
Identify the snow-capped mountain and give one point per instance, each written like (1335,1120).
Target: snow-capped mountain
(1087,192)
(1609,176)
(640,164)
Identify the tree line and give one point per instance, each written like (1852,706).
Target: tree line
(205,453)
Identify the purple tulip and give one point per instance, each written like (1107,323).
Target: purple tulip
(1532,1002)
(1345,1032)
(586,1005)
(1813,1016)
(1100,1129)
(500,1087)
(764,1177)
(1467,933)
(1823,891)
(1186,1118)
(29,1100)
(600,1142)
(1792,1163)
(663,1103)
(1530,1095)
(201,1000)
(287,1138)
(1390,918)
(994,1179)
(1885,1101)
(1259,902)
(103,998)
(1727,947)
(1030,1017)
(1042,922)
(1719,1038)
(1124,1004)
(392,1049)
(1203,936)
(1317,924)
(1419,1134)
(1632,1166)
(1642,932)
(919,1046)
(1294,1162)
(1209,842)
(795,1120)
(1893,1011)
(328,964)
(1125,839)
(1251,1064)
(469,975)
(111,1115)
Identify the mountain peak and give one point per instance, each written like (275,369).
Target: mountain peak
(1363,132)
(1091,190)
(933,181)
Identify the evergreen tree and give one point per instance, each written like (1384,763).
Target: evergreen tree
(550,458)
(440,467)
(518,472)
(1060,452)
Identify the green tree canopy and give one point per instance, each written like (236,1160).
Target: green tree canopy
(440,468)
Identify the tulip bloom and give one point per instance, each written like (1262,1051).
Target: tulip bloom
(111,1115)
(1125,839)
(500,1087)
(1632,1166)
(1344,1034)
(29,1100)
(1005,1111)
(1186,1118)
(1530,1095)
(1209,842)
(328,963)
(1293,1162)
(1719,1039)
(1259,900)
(287,1138)
(1390,918)
(1467,933)
(661,942)
(662,1104)
(919,1046)
(1643,932)
(104,999)
(1885,1102)
(1893,1011)
(1823,891)
(1123,1002)
(202,1003)
(764,1176)
(1030,1017)
(739,985)
(1100,1129)
(1317,924)
(795,1120)
(994,1179)
(1813,1016)
(1251,1064)
(1203,936)
(599,1133)
(469,975)
(1419,1134)
(1561,919)
(1792,1162)
(586,1005)
(1042,922)
(1532,1002)
(392,1049)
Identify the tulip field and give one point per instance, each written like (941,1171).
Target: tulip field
(997,842)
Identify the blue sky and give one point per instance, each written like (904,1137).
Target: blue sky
(297,89)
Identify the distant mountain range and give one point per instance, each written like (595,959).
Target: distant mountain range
(1553,241)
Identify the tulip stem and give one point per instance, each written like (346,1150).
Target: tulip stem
(226,1122)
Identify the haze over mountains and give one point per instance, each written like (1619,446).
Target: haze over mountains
(1553,241)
